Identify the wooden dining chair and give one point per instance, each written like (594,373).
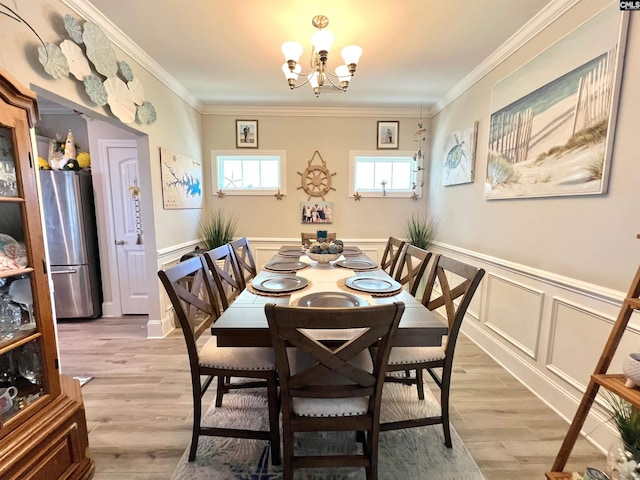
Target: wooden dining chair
(244,259)
(391,255)
(308,238)
(196,308)
(332,387)
(411,266)
(448,281)
(225,272)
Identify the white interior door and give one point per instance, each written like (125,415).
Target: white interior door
(127,228)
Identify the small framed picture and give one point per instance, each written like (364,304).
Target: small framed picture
(246,134)
(388,135)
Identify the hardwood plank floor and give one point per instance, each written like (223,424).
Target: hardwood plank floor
(139,405)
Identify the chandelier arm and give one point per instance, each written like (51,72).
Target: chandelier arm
(331,82)
(298,85)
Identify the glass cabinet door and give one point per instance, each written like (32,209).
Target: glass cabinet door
(22,366)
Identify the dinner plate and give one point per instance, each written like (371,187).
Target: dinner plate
(285,265)
(280,284)
(346,251)
(356,264)
(331,299)
(372,284)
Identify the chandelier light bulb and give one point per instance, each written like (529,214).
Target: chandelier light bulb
(351,54)
(292,51)
(322,40)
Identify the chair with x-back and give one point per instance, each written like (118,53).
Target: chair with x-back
(194,303)
(332,387)
(411,267)
(226,274)
(244,258)
(391,255)
(451,285)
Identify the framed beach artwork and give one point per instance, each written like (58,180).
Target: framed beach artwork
(181,181)
(388,135)
(316,212)
(246,134)
(460,156)
(552,120)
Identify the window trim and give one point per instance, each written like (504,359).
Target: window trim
(382,154)
(244,154)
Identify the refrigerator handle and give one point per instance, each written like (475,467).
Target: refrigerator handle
(58,272)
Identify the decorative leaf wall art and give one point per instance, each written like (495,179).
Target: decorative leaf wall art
(107,81)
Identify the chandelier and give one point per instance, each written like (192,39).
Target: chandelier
(321,45)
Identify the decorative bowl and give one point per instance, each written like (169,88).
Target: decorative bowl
(323,257)
(631,369)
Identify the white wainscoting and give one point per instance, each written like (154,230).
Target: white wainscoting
(548,331)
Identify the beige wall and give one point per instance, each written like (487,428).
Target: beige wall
(300,136)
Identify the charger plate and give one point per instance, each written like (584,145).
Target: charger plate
(356,265)
(372,285)
(285,265)
(280,284)
(331,300)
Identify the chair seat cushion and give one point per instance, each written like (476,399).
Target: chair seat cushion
(411,355)
(330,407)
(236,358)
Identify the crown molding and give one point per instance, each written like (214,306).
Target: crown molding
(310,111)
(88,12)
(539,22)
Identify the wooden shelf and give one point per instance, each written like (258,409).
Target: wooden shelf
(615,383)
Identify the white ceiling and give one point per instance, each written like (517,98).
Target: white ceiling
(227,52)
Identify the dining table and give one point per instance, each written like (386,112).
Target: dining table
(290,277)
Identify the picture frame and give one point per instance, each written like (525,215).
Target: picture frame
(552,120)
(458,164)
(181,178)
(316,212)
(246,133)
(388,132)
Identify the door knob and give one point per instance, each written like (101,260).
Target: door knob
(121,242)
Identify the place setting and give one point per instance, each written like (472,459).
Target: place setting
(277,285)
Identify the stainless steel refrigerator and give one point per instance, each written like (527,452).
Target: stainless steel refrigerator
(69,215)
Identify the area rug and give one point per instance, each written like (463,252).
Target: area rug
(415,453)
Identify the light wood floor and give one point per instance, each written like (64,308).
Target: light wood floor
(138,406)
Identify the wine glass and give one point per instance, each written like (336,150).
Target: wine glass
(29,363)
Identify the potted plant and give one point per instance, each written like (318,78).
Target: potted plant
(624,457)
(218,228)
(421,230)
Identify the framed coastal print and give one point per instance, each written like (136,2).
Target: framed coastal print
(388,135)
(552,120)
(460,156)
(181,180)
(246,134)
(316,212)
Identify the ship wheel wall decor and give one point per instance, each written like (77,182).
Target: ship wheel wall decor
(316,179)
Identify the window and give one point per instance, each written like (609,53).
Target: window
(261,172)
(374,174)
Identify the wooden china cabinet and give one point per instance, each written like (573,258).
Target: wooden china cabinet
(43,431)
